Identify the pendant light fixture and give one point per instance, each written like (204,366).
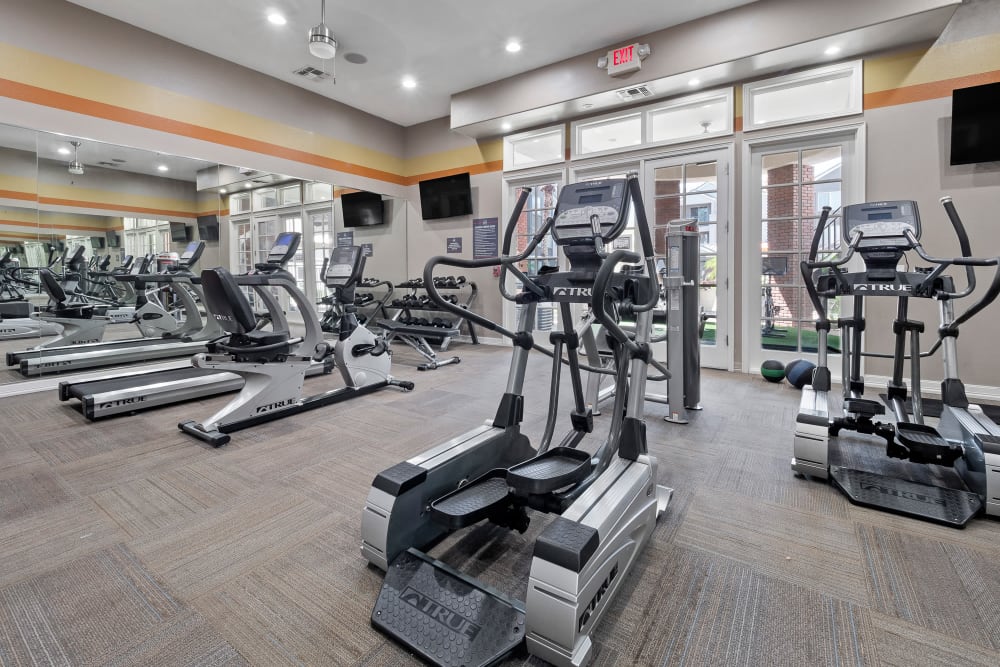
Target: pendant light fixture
(75,167)
(321,41)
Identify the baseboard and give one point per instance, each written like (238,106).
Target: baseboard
(932,389)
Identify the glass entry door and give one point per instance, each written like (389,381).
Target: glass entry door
(697,187)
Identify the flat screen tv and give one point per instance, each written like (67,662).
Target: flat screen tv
(97,242)
(113,239)
(362,209)
(208,227)
(446,197)
(975,124)
(178,232)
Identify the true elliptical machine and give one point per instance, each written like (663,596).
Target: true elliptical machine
(606,503)
(882,233)
(272,363)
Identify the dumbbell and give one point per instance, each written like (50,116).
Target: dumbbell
(422,321)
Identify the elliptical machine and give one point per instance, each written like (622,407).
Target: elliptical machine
(606,503)
(965,439)
(272,363)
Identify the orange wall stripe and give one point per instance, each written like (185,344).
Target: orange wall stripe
(19,235)
(114,207)
(14,194)
(50,98)
(473,169)
(44,225)
(926,91)
(738,124)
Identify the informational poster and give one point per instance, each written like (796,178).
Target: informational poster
(367,250)
(485,238)
(454,245)
(345,238)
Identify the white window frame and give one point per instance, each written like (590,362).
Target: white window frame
(853,69)
(510,141)
(853,190)
(644,113)
(511,183)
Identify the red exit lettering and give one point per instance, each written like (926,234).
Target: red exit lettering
(623,55)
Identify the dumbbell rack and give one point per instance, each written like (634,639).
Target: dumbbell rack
(415,285)
(373,310)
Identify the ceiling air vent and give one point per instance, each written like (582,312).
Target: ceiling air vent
(109,164)
(636,93)
(311,73)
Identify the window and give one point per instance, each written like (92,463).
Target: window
(535,148)
(825,92)
(143,236)
(539,207)
(688,118)
(239,203)
(316,192)
(322,226)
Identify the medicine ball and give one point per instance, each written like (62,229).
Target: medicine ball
(772,370)
(799,373)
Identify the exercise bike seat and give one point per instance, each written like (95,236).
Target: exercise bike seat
(58,299)
(231,309)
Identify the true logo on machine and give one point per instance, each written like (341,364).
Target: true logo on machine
(909,495)
(596,600)
(446,617)
(572,291)
(876,287)
(274,406)
(121,401)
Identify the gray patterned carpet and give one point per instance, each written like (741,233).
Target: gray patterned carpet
(128,543)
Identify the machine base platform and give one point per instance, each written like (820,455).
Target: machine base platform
(952,507)
(445,617)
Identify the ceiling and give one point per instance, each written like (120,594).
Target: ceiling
(447,45)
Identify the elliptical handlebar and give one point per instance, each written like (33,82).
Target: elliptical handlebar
(600,290)
(503,261)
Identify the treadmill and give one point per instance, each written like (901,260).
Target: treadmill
(70,358)
(127,393)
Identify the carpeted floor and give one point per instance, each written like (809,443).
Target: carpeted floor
(127,542)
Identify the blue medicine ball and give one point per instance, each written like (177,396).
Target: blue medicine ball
(799,373)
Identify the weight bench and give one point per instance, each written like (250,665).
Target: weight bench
(416,337)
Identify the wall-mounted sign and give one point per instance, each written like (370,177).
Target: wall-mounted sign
(485,238)
(454,245)
(624,60)
(345,238)
(367,249)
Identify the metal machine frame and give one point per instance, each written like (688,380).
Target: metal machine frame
(606,503)
(882,233)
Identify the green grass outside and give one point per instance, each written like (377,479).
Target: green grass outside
(777,341)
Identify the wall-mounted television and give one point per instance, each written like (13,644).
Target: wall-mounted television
(208,227)
(97,242)
(114,241)
(362,209)
(975,124)
(446,197)
(179,232)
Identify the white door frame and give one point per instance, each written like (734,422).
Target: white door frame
(853,190)
(725,248)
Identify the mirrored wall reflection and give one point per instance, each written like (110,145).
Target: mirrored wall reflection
(77,216)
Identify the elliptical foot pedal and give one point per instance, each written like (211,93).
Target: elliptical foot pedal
(925,444)
(446,618)
(473,502)
(952,507)
(863,407)
(554,469)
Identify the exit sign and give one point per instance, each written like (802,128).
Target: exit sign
(626,59)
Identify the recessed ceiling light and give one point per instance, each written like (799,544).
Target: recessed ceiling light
(276,18)
(505,127)
(222,191)
(64,151)
(832,50)
(248,185)
(513,46)
(409,82)
(694,82)
(588,105)
(163,167)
